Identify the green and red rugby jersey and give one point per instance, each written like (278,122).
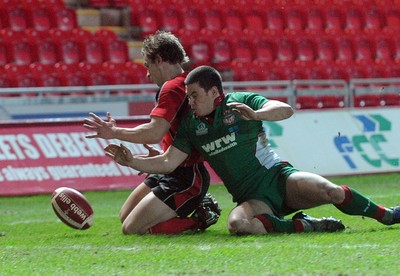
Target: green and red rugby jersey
(236,149)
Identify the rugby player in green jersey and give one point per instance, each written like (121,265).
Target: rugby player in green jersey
(228,132)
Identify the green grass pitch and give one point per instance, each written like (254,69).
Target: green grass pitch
(34,242)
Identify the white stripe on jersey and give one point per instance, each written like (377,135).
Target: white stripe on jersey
(264,153)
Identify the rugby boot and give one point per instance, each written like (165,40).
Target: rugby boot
(205,217)
(210,202)
(319,224)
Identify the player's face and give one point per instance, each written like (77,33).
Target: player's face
(200,100)
(153,71)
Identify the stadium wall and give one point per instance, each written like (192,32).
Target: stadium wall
(38,156)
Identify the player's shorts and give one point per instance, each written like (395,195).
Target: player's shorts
(183,189)
(272,191)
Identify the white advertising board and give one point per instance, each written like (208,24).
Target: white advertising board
(339,142)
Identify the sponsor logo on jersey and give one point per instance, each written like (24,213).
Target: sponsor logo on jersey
(220,145)
(229,117)
(201,129)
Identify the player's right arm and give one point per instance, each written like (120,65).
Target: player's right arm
(164,163)
(148,133)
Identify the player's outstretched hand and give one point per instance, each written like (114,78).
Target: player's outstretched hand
(119,153)
(244,111)
(102,128)
(152,150)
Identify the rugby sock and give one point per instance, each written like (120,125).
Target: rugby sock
(274,224)
(355,203)
(174,226)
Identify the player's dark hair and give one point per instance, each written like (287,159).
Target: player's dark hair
(166,45)
(206,77)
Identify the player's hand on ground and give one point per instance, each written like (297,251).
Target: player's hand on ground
(243,111)
(101,128)
(119,153)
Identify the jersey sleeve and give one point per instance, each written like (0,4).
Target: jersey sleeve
(182,140)
(169,102)
(253,100)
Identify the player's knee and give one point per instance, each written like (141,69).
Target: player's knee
(129,228)
(238,226)
(336,195)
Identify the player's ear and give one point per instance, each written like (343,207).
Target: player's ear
(158,59)
(214,91)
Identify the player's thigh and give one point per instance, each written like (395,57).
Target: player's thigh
(147,213)
(307,190)
(134,198)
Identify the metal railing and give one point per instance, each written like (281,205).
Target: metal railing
(146,92)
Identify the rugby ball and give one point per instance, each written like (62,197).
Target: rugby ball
(72,208)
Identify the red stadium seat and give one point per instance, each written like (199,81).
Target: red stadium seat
(46,52)
(233,20)
(315,20)
(99,3)
(40,19)
(286,50)
(4,54)
(334,20)
(384,53)
(243,50)
(335,72)
(192,19)
(20,76)
(64,19)
(170,20)
(54,3)
(149,21)
(265,50)
(120,3)
(268,71)
(45,75)
(295,20)
(93,74)
(119,74)
(200,53)
(117,51)
(81,35)
(17,18)
(345,50)
(294,73)
(326,49)
(222,54)
(70,51)
(331,101)
(105,35)
(22,53)
(139,70)
(306,50)
(356,72)
(92,51)
(392,19)
(69,74)
(307,102)
(276,22)
(389,99)
(213,20)
(374,20)
(364,50)
(254,21)
(354,20)
(366,100)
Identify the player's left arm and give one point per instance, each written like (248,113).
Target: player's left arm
(272,110)
(163,163)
